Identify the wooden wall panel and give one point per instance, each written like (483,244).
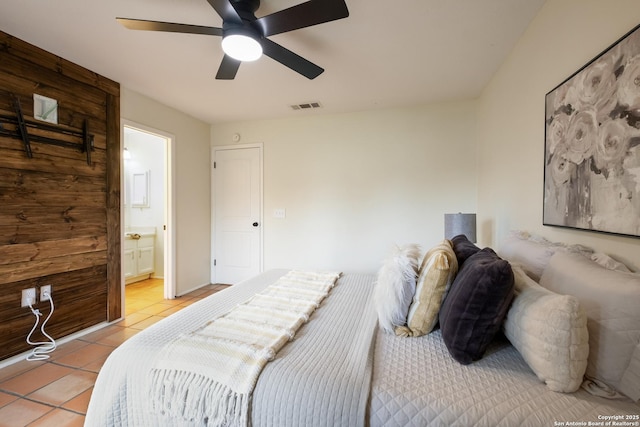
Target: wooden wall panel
(59,213)
(80,300)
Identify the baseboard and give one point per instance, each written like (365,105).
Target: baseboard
(193,289)
(22,356)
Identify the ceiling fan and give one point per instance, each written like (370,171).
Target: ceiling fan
(244,37)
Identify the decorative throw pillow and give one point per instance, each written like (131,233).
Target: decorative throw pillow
(611,300)
(531,253)
(550,332)
(609,263)
(396,286)
(463,248)
(473,311)
(439,267)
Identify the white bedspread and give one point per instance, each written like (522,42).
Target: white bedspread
(321,378)
(324,377)
(417,383)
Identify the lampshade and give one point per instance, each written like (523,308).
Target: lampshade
(460,223)
(240,45)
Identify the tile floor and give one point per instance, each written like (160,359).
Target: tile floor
(56,392)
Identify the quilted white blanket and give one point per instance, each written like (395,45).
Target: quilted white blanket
(209,374)
(301,386)
(417,383)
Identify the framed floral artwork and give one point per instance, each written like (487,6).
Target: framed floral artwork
(592,144)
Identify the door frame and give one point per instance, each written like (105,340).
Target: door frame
(214,150)
(169,205)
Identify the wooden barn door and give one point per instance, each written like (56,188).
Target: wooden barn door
(59,193)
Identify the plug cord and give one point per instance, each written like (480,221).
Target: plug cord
(44,347)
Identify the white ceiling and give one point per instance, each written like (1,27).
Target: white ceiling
(385,54)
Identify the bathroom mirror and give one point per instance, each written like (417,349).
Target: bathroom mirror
(140,189)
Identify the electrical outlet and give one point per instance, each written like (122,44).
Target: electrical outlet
(45,292)
(28,297)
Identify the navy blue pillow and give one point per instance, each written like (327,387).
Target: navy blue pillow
(476,305)
(463,248)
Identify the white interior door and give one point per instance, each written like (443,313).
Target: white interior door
(237,213)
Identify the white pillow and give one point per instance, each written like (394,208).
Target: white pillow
(609,263)
(611,300)
(550,332)
(396,286)
(532,253)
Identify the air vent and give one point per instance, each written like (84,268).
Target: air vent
(307,106)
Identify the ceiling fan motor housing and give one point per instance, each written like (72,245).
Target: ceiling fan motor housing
(246,8)
(247,27)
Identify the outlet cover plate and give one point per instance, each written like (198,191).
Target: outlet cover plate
(46,289)
(28,294)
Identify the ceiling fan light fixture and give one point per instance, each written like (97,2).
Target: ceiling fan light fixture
(241,47)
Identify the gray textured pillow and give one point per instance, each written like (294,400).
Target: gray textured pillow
(611,300)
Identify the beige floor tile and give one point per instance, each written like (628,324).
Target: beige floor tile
(18,368)
(118,337)
(59,418)
(198,292)
(96,365)
(147,322)
(85,355)
(21,412)
(67,348)
(189,302)
(101,333)
(80,403)
(169,311)
(65,388)
(154,309)
(132,319)
(35,378)
(139,304)
(6,398)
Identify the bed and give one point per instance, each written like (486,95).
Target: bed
(341,369)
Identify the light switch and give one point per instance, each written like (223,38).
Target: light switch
(279,213)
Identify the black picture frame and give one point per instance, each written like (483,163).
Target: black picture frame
(592,144)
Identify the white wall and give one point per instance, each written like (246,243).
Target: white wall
(192,197)
(564,36)
(355,184)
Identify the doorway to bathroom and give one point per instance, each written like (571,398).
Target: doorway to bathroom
(148,243)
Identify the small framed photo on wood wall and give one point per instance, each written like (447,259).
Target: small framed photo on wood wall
(45,109)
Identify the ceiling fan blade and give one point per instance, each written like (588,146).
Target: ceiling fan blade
(228,68)
(290,59)
(226,11)
(142,24)
(303,15)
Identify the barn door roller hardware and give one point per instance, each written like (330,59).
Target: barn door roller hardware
(21,132)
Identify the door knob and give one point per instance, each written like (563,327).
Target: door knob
(255,224)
